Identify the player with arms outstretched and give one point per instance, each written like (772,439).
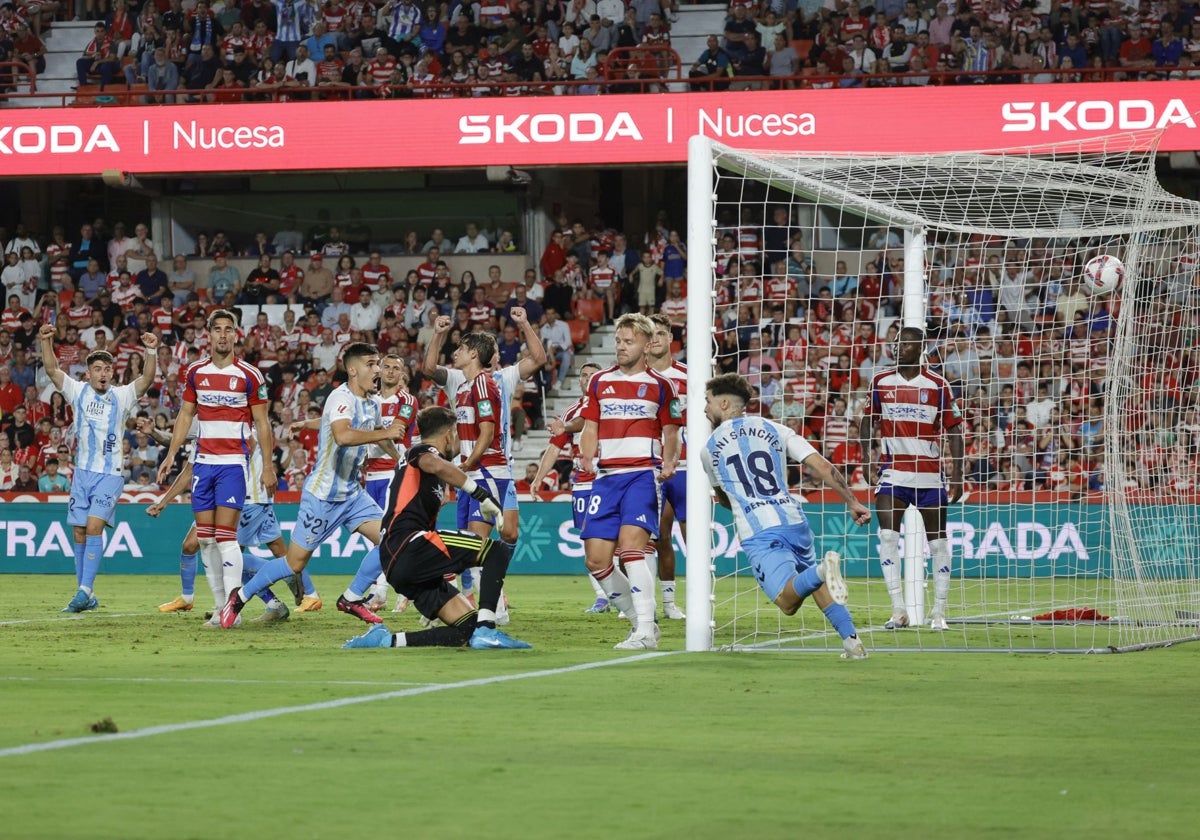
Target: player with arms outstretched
(658,358)
(226,396)
(101,410)
(746,459)
(333,496)
(417,558)
(564,431)
(630,440)
(913,410)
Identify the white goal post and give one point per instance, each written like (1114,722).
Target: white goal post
(1079,531)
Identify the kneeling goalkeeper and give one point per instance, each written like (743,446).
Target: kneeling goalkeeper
(417,558)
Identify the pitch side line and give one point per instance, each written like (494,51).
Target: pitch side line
(205,681)
(262,714)
(76,617)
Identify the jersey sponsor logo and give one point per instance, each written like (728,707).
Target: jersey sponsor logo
(262,391)
(624,410)
(676,410)
(484,407)
(235,400)
(406,411)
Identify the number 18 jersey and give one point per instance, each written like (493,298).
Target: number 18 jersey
(747,458)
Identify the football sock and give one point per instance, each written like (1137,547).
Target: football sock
(667,587)
(456,635)
(600,594)
(495,558)
(310,588)
(250,566)
(79,549)
(212,569)
(889,561)
(641,588)
(368,570)
(274,569)
(93,550)
(470,579)
(616,588)
(231,562)
(839,617)
(187,575)
(807,582)
(939,550)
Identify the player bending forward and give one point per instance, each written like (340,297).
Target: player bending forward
(417,558)
(746,460)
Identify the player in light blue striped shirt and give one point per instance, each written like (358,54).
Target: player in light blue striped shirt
(746,461)
(101,410)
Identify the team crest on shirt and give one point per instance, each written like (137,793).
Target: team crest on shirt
(233,383)
(924,396)
(641,391)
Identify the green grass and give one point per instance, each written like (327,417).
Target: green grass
(698,746)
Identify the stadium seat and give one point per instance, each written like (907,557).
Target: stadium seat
(581,333)
(64,299)
(590,310)
(275,312)
(250,315)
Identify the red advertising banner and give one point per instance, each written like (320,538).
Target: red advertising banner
(578,130)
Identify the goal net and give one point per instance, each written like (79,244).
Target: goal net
(1080,524)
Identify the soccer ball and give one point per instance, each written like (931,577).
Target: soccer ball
(1103,274)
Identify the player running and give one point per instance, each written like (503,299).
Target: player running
(225,395)
(913,408)
(417,558)
(101,410)
(658,358)
(746,458)
(564,431)
(333,495)
(631,422)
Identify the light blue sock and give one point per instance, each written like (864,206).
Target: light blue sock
(251,564)
(839,617)
(271,571)
(807,582)
(369,569)
(78,563)
(93,550)
(309,587)
(187,573)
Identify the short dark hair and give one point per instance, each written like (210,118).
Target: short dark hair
(98,356)
(660,320)
(912,332)
(482,343)
(730,385)
(435,419)
(358,350)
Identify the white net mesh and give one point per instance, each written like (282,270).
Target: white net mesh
(1078,531)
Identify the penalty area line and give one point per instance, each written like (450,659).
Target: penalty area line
(88,616)
(263,714)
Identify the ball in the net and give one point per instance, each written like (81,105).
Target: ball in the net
(1103,274)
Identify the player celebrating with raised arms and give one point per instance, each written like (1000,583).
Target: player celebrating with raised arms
(630,439)
(417,558)
(746,460)
(913,408)
(101,410)
(226,395)
(333,496)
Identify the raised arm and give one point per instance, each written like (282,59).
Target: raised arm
(49,360)
(536,359)
(430,366)
(149,364)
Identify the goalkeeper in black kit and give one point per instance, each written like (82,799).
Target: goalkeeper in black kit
(417,558)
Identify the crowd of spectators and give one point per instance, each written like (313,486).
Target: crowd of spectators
(1024,348)
(268,49)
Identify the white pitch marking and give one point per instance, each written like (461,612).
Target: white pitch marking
(262,714)
(205,681)
(76,617)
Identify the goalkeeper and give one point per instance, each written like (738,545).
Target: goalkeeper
(746,458)
(416,558)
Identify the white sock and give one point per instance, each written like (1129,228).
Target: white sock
(231,564)
(616,590)
(939,550)
(473,574)
(210,556)
(597,589)
(273,603)
(399,640)
(486,615)
(641,587)
(668,591)
(187,599)
(889,561)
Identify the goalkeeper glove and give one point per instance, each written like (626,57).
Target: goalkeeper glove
(487,504)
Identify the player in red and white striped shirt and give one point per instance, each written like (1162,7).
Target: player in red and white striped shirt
(631,422)
(227,396)
(602,278)
(913,410)
(674,507)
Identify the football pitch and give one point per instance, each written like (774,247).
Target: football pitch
(274,731)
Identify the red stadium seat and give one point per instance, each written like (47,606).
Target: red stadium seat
(590,309)
(581,332)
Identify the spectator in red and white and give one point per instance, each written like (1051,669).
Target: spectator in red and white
(28,47)
(79,313)
(480,309)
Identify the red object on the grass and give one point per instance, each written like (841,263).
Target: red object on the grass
(1072,614)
